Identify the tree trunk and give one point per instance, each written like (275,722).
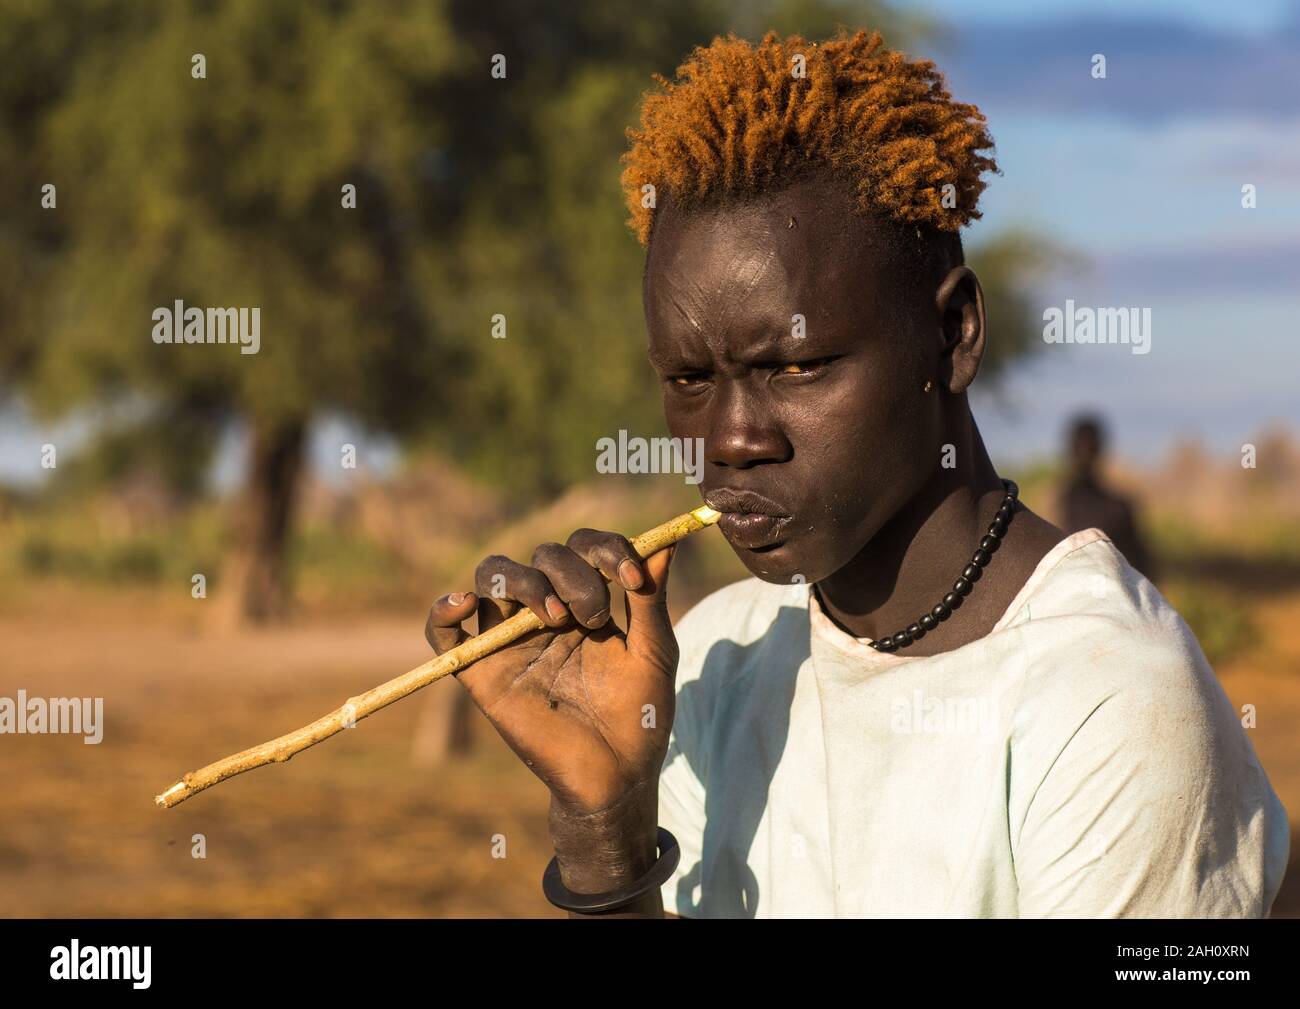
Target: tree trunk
(445,726)
(275,468)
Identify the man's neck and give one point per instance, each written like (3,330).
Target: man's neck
(911,564)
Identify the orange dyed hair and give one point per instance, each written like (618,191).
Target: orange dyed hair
(738,120)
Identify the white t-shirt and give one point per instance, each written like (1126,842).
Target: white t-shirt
(1080,760)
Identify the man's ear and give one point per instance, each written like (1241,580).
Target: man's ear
(960,301)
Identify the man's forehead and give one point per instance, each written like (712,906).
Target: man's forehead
(815,213)
(738,270)
(805,246)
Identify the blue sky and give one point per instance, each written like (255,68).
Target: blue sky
(1251,16)
(1140,176)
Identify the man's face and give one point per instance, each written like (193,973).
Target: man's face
(1085,449)
(829,426)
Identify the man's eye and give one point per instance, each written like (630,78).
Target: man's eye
(805,367)
(685,381)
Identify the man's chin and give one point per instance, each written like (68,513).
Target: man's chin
(779,564)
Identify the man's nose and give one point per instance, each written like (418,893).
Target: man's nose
(743,429)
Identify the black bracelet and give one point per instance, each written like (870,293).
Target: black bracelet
(594,903)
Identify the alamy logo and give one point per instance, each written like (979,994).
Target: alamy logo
(36,715)
(179,324)
(75,962)
(1098,325)
(651,455)
(946,715)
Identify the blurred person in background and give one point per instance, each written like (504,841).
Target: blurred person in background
(1086,502)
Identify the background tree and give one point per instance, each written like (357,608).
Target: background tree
(226,190)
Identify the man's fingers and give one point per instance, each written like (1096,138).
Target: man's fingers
(611,554)
(649,631)
(580,586)
(502,584)
(443,629)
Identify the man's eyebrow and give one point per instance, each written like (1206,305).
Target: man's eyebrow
(666,362)
(776,346)
(767,347)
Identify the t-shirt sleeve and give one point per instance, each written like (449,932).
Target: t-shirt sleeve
(681,811)
(1156,806)
(681,780)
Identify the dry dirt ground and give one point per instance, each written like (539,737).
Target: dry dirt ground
(348,829)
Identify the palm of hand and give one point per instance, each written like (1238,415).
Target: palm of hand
(584,712)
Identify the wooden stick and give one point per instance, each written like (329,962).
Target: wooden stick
(356,708)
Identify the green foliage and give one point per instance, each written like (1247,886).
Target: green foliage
(62,542)
(226,191)
(1262,539)
(331,565)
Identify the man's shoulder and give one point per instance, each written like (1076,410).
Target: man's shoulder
(1097,633)
(1114,697)
(1089,594)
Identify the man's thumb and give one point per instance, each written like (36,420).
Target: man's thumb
(649,631)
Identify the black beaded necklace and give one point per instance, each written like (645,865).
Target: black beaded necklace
(962,587)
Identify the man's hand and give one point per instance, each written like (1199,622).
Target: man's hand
(586,706)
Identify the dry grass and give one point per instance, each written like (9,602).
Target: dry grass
(346,829)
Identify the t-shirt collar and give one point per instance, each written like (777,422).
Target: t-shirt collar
(825,629)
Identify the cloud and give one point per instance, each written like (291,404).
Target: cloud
(1156,69)
(1271,268)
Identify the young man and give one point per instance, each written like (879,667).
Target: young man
(928,701)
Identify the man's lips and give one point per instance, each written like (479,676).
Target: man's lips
(748,502)
(749,520)
(751,531)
